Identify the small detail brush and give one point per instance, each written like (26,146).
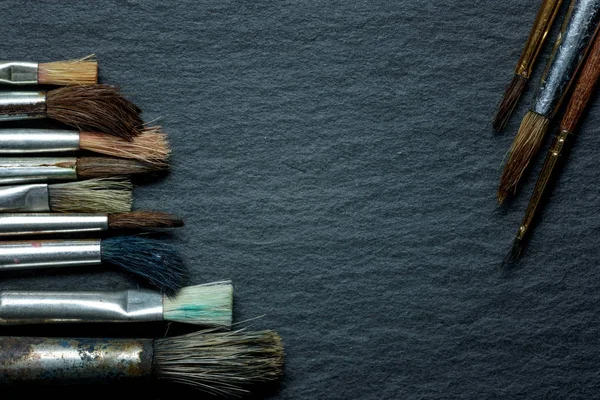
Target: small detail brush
(94,108)
(110,195)
(537,36)
(150,146)
(217,363)
(578,30)
(71,72)
(208,305)
(15,224)
(153,260)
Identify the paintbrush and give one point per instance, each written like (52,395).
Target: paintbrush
(71,72)
(150,146)
(94,108)
(15,170)
(584,88)
(578,30)
(537,36)
(53,223)
(110,195)
(153,260)
(208,305)
(217,363)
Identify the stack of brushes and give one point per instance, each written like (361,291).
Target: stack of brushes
(66,193)
(570,75)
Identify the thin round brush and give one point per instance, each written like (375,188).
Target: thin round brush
(578,30)
(153,260)
(94,108)
(15,224)
(208,305)
(71,72)
(586,83)
(111,195)
(217,363)
(150,146)
(15,170)
(537,36)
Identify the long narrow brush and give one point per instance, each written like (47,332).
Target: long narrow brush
(71,72)
(217,363)
(94,108)
(586,83)
(578,30)
(537,36)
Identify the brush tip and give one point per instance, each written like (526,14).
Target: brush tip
(83,71)
(144,219)
(513,254)
(208,304)
(511,97)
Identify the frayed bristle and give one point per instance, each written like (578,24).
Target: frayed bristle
(150,146)
(143,220)
(153,260)
(102,167)
(513,255)
(110,195)
(209,304)
(83,71)
(95,108)
(524,147)
(509,101)
(220,364)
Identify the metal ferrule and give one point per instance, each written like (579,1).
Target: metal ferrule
(24,198)
(27,360)
(22,105)
(20,141)
(25,255)
(37,169)
(39,224)
(18,73)
(578,30)
(29,307)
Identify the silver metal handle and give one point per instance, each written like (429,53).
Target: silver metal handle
(24,198)
(19,141)
(38,224)
(18,73)
(25,255)
(37,169)
(22,105)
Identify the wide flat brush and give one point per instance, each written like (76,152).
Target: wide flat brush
(94,108)
(578,30)
(537,37)
(217,363)
(586,83)
(153,260)
(71,72)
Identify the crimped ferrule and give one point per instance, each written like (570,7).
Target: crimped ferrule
(41,223)
(24,198)
(22,105)
(18,73)
(21,141)
(25,255)
(37,169)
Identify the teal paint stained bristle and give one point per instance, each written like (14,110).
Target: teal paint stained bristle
(209,304)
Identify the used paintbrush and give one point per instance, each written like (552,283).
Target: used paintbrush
(94,108)
(52,223)
(216,363)
(587,81)
(71,72)
(535,41)
(578,30)
(153,260)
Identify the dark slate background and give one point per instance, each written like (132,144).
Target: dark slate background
(335,159)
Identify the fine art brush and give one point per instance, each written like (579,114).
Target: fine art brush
(584,89)
(216,363)
(153,260)
(17,224)
(537,36)
(209,305)
(578,30)
(110,195)
(149,146)
(71,72)
(95,108)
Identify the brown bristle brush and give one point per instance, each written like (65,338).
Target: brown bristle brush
(83,71)
(94,108)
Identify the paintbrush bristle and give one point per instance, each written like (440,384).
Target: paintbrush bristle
(143,220)
(224,364)
(509,101)
(153,260)
(83,71)
(150,146)
(209,304)
(524,147)
(95,108)
(110,195)
(102,167)
(513,254)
